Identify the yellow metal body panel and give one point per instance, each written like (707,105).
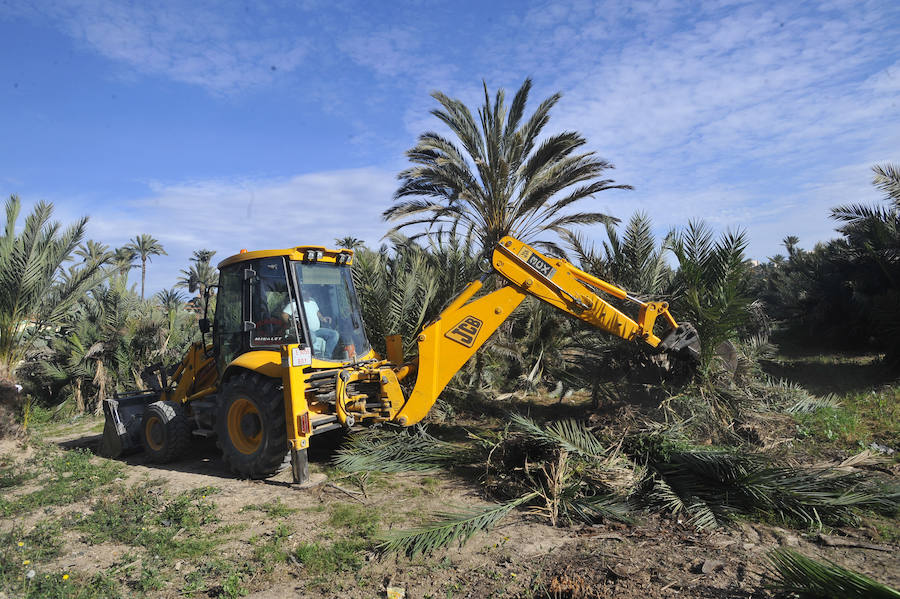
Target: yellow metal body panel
(394,345)
(446,344)
(195,376)
(266,362)
(559,283)
(295,406)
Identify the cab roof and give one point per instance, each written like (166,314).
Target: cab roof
(309,253)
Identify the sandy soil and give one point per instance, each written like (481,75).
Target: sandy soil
(657,557)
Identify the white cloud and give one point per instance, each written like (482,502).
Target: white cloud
(308,209)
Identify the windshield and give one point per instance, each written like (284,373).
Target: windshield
(331,310)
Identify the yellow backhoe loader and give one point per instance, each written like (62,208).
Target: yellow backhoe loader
(289,358)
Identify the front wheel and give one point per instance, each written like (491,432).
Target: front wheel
(250,426)
(165,433)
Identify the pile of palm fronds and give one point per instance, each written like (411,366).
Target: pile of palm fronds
(562,471)
(711,487)
(795,573)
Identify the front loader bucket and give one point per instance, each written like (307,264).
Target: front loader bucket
(122,430)
(683,342)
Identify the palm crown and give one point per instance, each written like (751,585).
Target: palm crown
(499,181)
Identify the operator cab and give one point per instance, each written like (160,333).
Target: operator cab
(302,295)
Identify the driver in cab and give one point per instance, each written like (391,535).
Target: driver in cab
(315,318)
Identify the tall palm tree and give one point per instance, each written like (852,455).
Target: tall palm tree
(31,285)
(145,245)
(499,181)
(349,242)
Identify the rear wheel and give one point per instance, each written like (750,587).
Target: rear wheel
(250,425)
(165,433)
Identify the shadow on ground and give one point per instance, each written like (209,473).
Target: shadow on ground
(204,457)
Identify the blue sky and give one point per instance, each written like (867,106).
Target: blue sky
(229,125)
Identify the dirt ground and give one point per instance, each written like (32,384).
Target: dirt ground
(523,557)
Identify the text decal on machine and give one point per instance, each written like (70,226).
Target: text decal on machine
(466,331)
(535,262)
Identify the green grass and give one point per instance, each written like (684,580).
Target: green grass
(65,477)
(143,516)
(361,521)
(11,473)
(272,551)
(273,509)
(38,546)
(861,419)
(340,556)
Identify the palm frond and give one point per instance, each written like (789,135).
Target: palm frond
(566,434)
(793,572)
(448,528)
(378,450)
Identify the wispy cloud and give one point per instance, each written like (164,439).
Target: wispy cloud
(227,215)
(220,46)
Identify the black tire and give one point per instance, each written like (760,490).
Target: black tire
(250,427)
(165,432)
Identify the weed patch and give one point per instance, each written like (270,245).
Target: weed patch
(273,509)
(341,556)
(143,516)
(71,476)
(360,522)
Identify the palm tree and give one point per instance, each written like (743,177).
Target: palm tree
(498,182)
(198,278)
(349,242)
(170,300)
(145,245)
(711,283)
(94,251)
(123,260)
(203,255)
(31,284)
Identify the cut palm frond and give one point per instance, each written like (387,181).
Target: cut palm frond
(379,450)
(793,572)
(712,486)
(448,528)
(592,510)
(812,403)
(569,435)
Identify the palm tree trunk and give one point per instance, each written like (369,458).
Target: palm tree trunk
(143,275)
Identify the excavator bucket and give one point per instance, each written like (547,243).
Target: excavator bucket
(122,430)
(683,342)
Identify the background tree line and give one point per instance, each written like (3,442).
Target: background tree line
(72,327)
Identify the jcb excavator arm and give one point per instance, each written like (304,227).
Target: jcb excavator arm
(448,342)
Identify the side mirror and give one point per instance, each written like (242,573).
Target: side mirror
(204,325)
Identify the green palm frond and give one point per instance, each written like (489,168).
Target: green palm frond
(713,485)
(448,528)
(499,176)
(597,508)
(793,572)
(570,435)
(377,450)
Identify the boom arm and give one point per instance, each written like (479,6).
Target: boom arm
(448,342)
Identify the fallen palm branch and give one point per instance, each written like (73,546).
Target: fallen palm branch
(448,528)
(404,450)
(569,435)
(793,572)
(712,486)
